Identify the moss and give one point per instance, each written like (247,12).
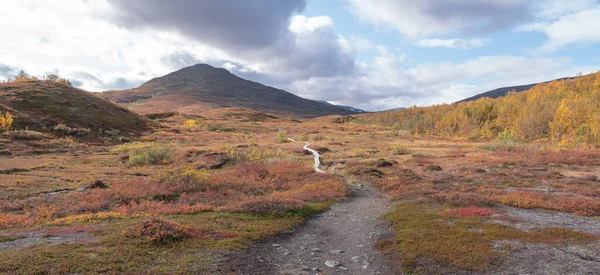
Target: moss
(422,232)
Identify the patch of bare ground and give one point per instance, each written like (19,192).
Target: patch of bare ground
(527,258)
(41,237)
(529,219)
(341,240)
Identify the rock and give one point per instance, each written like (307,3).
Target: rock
(287,253)
(276,245)
(383,163)
(342,267)
(337,251)
(316,249)
(332,263)
(97,184)
(316,269)
(433,168)
(480,170)
(221,163)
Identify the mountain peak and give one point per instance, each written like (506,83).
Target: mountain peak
(201,87)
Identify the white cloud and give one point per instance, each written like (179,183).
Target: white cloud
(430,17)
(387,83)
(309,59)
(550,9)
(460,44)
(578,27)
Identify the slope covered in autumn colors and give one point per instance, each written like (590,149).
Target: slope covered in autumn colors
(195,89)
(44,105)
(500,92)
(565,111)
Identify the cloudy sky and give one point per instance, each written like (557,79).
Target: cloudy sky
(370,54)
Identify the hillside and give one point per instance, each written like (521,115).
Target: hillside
(565,111)
(504,90)
(41,105)
(195,89)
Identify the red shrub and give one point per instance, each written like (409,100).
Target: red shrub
(160,231)
(264,205)
(529,199)
(462,199)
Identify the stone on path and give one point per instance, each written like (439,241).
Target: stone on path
(331,263)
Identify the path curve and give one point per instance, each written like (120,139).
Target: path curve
(315,154)
(317,158)
(345,235)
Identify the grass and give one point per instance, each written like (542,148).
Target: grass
(10,238)
(114,252)
(424,232)
(266,187)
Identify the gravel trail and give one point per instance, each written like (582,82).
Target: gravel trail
(340,240)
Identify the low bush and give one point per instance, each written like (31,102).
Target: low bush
(400,150)
(152,155)
(183,179)
(6,121)
(462,199)
(529,199)
(69,131)
(266,205)
(159,230)
(25,135)
(282,136)
(257,154)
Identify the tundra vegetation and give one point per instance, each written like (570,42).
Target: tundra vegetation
(470,182)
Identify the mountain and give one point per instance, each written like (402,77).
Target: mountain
(503,91)
(42,105)
(349,108)
(195,89)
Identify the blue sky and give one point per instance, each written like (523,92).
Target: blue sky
(506,42)
(370,54)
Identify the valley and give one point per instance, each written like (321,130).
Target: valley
(233,180)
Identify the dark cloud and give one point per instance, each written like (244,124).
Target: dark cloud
(253,32)
(480,16)
(231,24)
(7,71)
(179,60)
(424,18)
(116,83)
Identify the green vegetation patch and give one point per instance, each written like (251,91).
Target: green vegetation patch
(113,251)
(424,234)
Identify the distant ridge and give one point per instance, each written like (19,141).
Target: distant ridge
(502,91)
(202,87)
(349,108)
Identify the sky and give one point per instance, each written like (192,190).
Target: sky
(370,54)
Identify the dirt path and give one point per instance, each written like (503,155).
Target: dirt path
(343,237)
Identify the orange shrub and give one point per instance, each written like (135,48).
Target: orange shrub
(92,201)
(13,220)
